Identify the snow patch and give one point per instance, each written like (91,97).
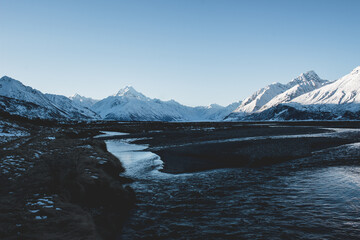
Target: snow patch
(110,134)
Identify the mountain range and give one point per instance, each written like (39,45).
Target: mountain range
(126,105)
(305,97)
(319,100)
(18,99)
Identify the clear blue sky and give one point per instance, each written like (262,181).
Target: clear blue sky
(194,51)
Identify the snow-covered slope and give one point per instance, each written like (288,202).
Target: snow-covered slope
(125,105)
(260,98)
(277,93)
(130,105)
(215,112)
(305,97)
(72,109)
(338,100)
(25,101)
(27,109)
(15,89)
(305,83)
(341,95)
(83,101)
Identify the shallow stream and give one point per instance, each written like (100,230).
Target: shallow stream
(277,202)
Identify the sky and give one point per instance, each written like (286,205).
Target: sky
(197,52)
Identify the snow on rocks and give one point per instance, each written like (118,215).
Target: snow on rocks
(14,166)
(11,131)
(110,134)
(38,204)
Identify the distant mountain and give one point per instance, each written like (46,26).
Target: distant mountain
(83,101)
(25,101)
(338,100)
(130,105)
(27,109)
(303,98)
(215,112)
(305,83)
(73,110)
(341,95)
(126,105)
(260,98)
(277,93)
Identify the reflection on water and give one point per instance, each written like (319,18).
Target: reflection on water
(278,202)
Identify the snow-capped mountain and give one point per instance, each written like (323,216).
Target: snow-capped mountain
(305,83)
(277,93)
(28,102)
(27,109)
(130,105)
(130,93)
(12,88)
(333,101)
(341,95)
(83,101)
(260,98)
(303,98)
(215,112)
(72,109)
(126,105)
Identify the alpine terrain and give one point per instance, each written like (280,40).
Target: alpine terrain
(130,105)
(306,97)
(18,99)
(277,93)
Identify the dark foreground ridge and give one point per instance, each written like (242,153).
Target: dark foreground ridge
(59,183)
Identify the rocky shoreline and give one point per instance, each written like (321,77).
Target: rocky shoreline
(60,183)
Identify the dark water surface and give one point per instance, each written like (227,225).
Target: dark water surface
(284,201)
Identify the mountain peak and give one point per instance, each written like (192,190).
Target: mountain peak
(5,77)
(311,72)
(83,101)
(76,95)
(212,106)
(356,70)
(129,92)
(127,89)
(308,76)
(8,79)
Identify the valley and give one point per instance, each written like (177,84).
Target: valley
(151,120)
(61,179)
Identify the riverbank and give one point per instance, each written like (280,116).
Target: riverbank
(59,183)
(192,147)
(312,194)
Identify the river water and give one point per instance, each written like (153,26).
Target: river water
(283,201)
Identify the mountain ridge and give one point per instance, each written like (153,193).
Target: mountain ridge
(57,106)
(263,96)
(304,97)
(336,100)
(130,105)
(125,105)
